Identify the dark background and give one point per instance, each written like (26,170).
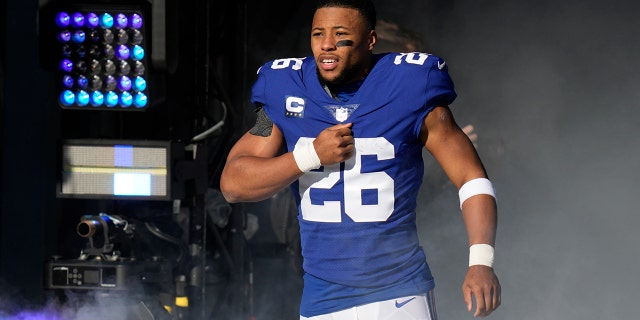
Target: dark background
(550,87)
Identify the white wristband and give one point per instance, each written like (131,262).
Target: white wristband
(306,157)
(481,254)
(475,187)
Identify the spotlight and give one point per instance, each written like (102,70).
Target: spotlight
(100,53)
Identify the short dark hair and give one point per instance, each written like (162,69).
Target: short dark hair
(365,7)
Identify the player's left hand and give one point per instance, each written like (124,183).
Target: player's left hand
(481,283)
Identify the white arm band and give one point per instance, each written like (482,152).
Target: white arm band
(306,157)
(475,187)
(481,254)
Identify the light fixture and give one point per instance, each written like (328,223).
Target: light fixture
(100,54)
(117,169)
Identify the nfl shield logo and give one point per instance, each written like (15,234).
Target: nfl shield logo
(342,114)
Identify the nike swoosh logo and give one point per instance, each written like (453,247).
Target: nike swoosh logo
(400,304)
(440,66)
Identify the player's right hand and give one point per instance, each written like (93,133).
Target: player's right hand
(335,144)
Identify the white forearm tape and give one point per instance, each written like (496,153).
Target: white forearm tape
(475,187)
(481,254)
(306,157)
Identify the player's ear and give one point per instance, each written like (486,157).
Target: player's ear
(373,37)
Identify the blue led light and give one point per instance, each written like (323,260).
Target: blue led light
(92,20)
(137,53)
(139,83)
(82,99)
(122,52)
(126,99)
(67,98)
(101,59)
(122,21)
(111,99)
(77,20)
(106,21)
(63,19)
(82,81)
(140,100)
(136,21)
(67,81)
(97,98)
(79,36)
(66,65)
(124,84)
(64,36)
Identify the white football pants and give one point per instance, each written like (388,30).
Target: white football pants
(420,307)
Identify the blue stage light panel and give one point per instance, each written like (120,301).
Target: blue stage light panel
(101,58)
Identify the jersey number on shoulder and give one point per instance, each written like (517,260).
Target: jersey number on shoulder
(412,58)
(286,63)
(354,181)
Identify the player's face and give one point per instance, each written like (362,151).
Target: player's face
(341,43)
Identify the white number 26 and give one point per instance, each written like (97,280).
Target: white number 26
(354,182)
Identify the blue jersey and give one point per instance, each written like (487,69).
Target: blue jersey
(357,218)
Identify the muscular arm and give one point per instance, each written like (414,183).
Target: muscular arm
(255,170)
(453,150)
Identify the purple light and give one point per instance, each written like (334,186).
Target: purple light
(64,36)
(36,315)
(136,21)
(122,52)
(77,20)
(121,20)
(67,81)
(66,65)
(63,19)
(93,21)
(110,83)
(124,84)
